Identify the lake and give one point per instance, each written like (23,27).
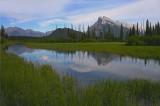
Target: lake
(90,67)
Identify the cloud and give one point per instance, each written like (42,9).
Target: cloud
(48,22)
(81,68)
(22,21)
(139,9)
(24,9)
(45,57)
(77,12)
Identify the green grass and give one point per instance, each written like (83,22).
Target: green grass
(21,83)
(152,52)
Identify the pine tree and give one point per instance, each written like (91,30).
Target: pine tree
(121,32)
(88,32)
(100,36)
(109,32)
(156,32)
(84,33)
(112,36)
(130,32)
(147,28)
(2,32)
(137,30)
(153,31)
(94,33)
(68,32)
(133,31)
(127,35)
(150,29)
(105,35)
(158,29)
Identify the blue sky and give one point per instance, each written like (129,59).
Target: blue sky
(45,15)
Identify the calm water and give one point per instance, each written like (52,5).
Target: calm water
(91,66)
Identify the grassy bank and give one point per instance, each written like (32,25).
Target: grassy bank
(119,48)
(21,83)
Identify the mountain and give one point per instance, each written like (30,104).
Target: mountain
(48,32)
(103,23)
(63,32)
(16,31)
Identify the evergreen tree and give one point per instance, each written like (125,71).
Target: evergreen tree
(101,35)
(150,29)
(158,29)
(2,32)
(68,32)
(83,36)
(127,35)
(130,32)
(121,32)
(133,31)
(109,32)
(147,28)
(112,36)
(106,35)
(137,30)
(88,32)
(153,31)
(94,33)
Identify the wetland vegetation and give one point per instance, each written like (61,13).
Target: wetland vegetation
(21,83)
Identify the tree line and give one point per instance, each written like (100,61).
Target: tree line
(150,30)
(148,37)
(91,35)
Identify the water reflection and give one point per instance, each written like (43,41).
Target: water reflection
(91,66)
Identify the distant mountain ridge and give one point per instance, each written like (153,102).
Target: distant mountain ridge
(101,27)
(16,31)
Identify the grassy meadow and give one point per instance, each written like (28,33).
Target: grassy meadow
(21,83)
(113,47)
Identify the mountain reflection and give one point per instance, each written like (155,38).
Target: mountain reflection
(18,49)
(91,66)
(101,58)
(104,58)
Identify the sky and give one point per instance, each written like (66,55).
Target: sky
(46,15)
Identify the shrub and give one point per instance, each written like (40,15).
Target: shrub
(143,41)
(3,40)
(134,41)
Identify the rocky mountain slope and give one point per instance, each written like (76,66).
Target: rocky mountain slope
(103,24)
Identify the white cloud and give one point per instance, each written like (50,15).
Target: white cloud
(139,9)
(81,69)
(24,9)
(22,21)
(45,57)
(28,10)
(48,22)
